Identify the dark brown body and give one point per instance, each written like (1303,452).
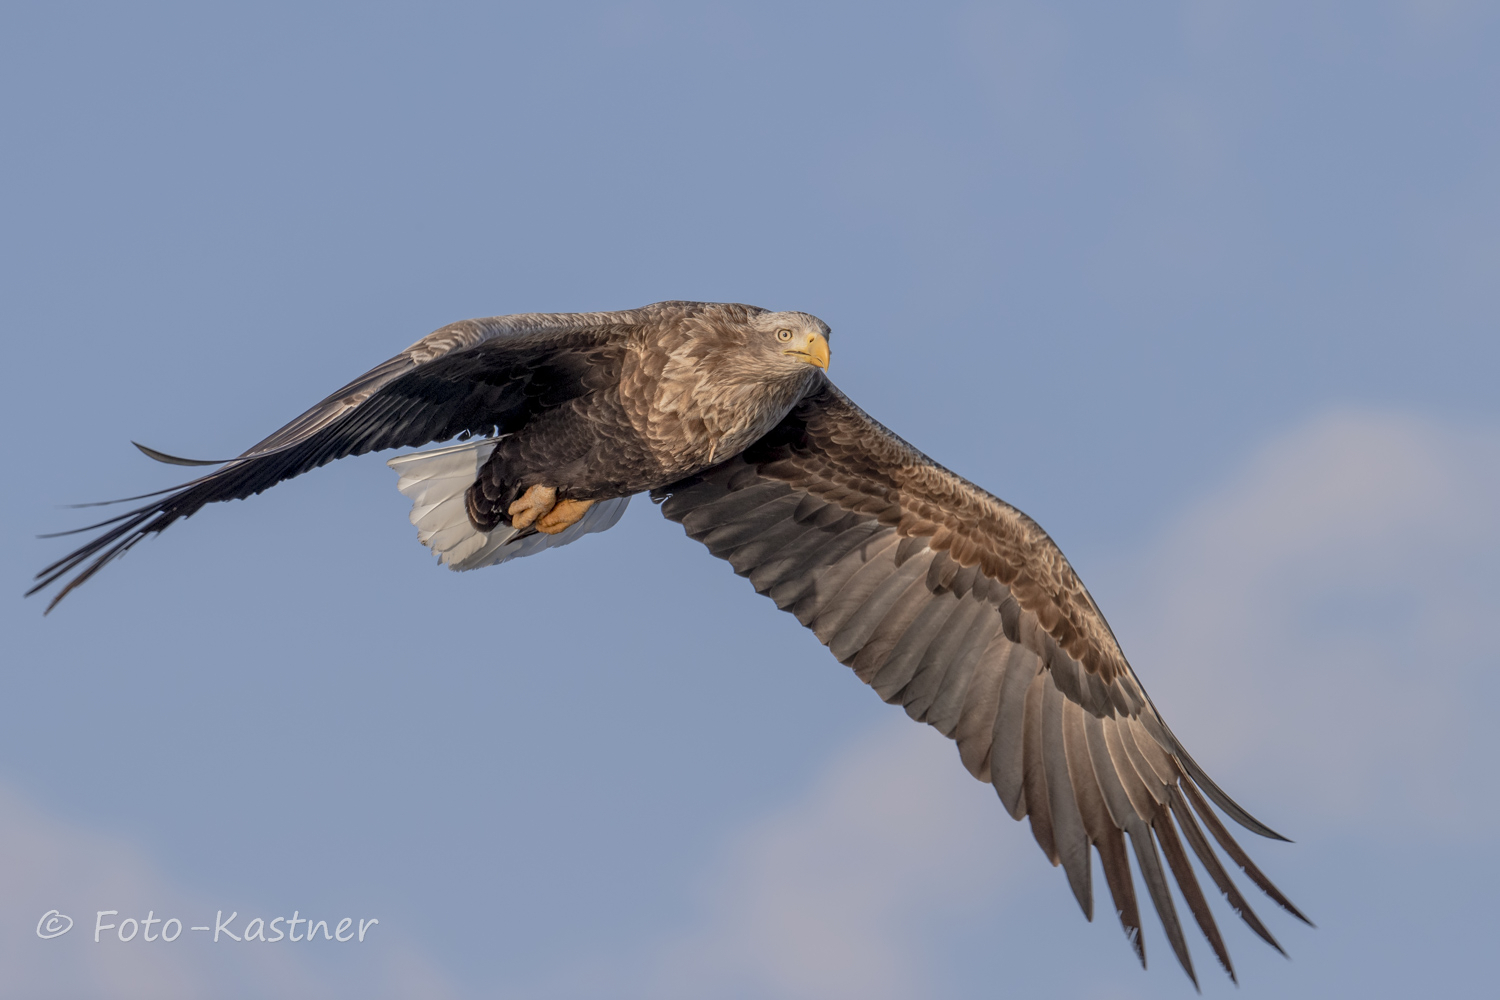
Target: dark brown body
(623,413)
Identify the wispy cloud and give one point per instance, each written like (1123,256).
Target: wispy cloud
(1321,624)
(830,896)
(47,864)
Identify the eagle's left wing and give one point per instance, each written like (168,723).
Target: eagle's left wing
(957,606)
(476,377)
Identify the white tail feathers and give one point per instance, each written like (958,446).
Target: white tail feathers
(437,481)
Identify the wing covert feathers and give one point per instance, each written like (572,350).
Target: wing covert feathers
(957,607)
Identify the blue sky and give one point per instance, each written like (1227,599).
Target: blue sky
(1206,288)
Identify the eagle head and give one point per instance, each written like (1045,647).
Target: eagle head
(779,346)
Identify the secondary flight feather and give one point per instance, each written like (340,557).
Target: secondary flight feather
(943,598)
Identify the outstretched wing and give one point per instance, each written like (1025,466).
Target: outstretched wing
(958,607)
(485,376)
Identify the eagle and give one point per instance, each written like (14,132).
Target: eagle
(943,598)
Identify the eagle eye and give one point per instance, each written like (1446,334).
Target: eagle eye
(783,335)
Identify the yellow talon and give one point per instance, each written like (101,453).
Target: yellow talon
(563,516)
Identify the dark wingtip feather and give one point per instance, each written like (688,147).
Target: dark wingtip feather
(1113,860)
(1237,853)
(139,496)
(1161,896)
(163,457)
(1192,892)
(68,564)
(1232,809)
(79,531)
(1215,869)
(111,503)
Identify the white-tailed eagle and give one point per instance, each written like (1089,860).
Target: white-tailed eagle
(943,598)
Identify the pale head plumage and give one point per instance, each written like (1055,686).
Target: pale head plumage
(788,339)
(743,345)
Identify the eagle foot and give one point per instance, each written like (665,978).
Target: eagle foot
(540,508)
(534,503)
(563,516)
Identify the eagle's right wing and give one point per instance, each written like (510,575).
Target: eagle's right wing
(958,607)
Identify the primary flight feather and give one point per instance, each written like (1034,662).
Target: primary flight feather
(943,598)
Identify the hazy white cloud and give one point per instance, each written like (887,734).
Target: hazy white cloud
(1321,625)
(48,864)
(832,895)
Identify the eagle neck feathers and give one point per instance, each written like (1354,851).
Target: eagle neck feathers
(692,401)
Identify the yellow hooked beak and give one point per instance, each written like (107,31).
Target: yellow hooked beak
(814,351)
